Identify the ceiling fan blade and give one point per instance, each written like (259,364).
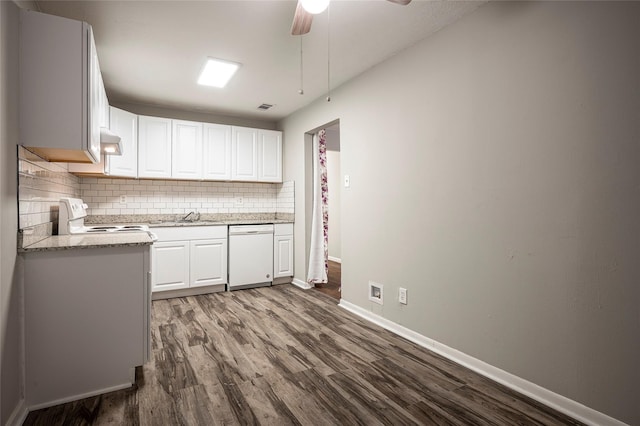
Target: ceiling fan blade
(402,2)
(301,21)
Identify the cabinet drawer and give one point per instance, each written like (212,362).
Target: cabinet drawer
(283,229)
(179,233)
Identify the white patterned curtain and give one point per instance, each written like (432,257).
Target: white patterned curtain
(319,253)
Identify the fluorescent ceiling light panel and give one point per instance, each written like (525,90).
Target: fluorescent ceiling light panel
(217,73)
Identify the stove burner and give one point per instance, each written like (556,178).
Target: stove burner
(109,229)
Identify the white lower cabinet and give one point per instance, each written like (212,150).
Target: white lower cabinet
(283,250)
(170,265)
(208,262)
(189,260)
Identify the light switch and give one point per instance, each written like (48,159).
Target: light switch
(347,181)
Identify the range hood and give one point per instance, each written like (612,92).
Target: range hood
(110,143)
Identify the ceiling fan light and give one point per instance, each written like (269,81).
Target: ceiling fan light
(315,6)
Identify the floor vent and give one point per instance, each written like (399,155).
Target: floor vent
(265,107)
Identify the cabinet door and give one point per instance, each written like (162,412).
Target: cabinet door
(104,106)
(244,154)
(283,256)
(186,160)
(57,70)
(170,265)
(217,152)
(95,101)
(125,125)
(269,156)
(208,262)
(154,147)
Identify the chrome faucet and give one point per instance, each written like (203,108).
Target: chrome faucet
(196,217)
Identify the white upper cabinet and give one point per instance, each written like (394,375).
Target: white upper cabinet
(186,159)
(125,125)
(269,156)
(104,107)
(154,147)
(59,87)
(216,152)
(244,154)
(256,155)
(95,99)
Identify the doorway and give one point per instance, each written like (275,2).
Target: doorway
(333,165)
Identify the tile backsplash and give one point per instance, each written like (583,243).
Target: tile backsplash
(143,197)
(285,197)
(41,184)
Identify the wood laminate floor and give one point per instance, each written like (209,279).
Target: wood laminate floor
(334,278)
(284,356)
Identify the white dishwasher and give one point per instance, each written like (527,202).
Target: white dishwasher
(250,256)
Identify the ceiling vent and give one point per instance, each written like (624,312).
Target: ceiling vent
(265,107)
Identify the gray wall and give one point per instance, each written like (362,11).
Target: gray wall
(10,280)
(494,174)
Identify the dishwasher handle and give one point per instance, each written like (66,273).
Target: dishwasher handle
(250,233)
(250,229)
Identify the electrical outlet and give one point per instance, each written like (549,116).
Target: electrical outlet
(402,295)
(376,292)
(239,201)
(123,199)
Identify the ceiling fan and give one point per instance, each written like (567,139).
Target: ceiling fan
(307,8)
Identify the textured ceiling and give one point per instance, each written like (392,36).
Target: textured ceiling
(152,51)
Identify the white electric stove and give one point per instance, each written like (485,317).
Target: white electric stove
(71,220)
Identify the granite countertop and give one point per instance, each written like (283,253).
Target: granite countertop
(206,219)
(217,223)
(86,241)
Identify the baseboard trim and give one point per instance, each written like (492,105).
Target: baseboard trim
(80,396)
(301,284)
(558,402)
(335,259)
(18,415)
